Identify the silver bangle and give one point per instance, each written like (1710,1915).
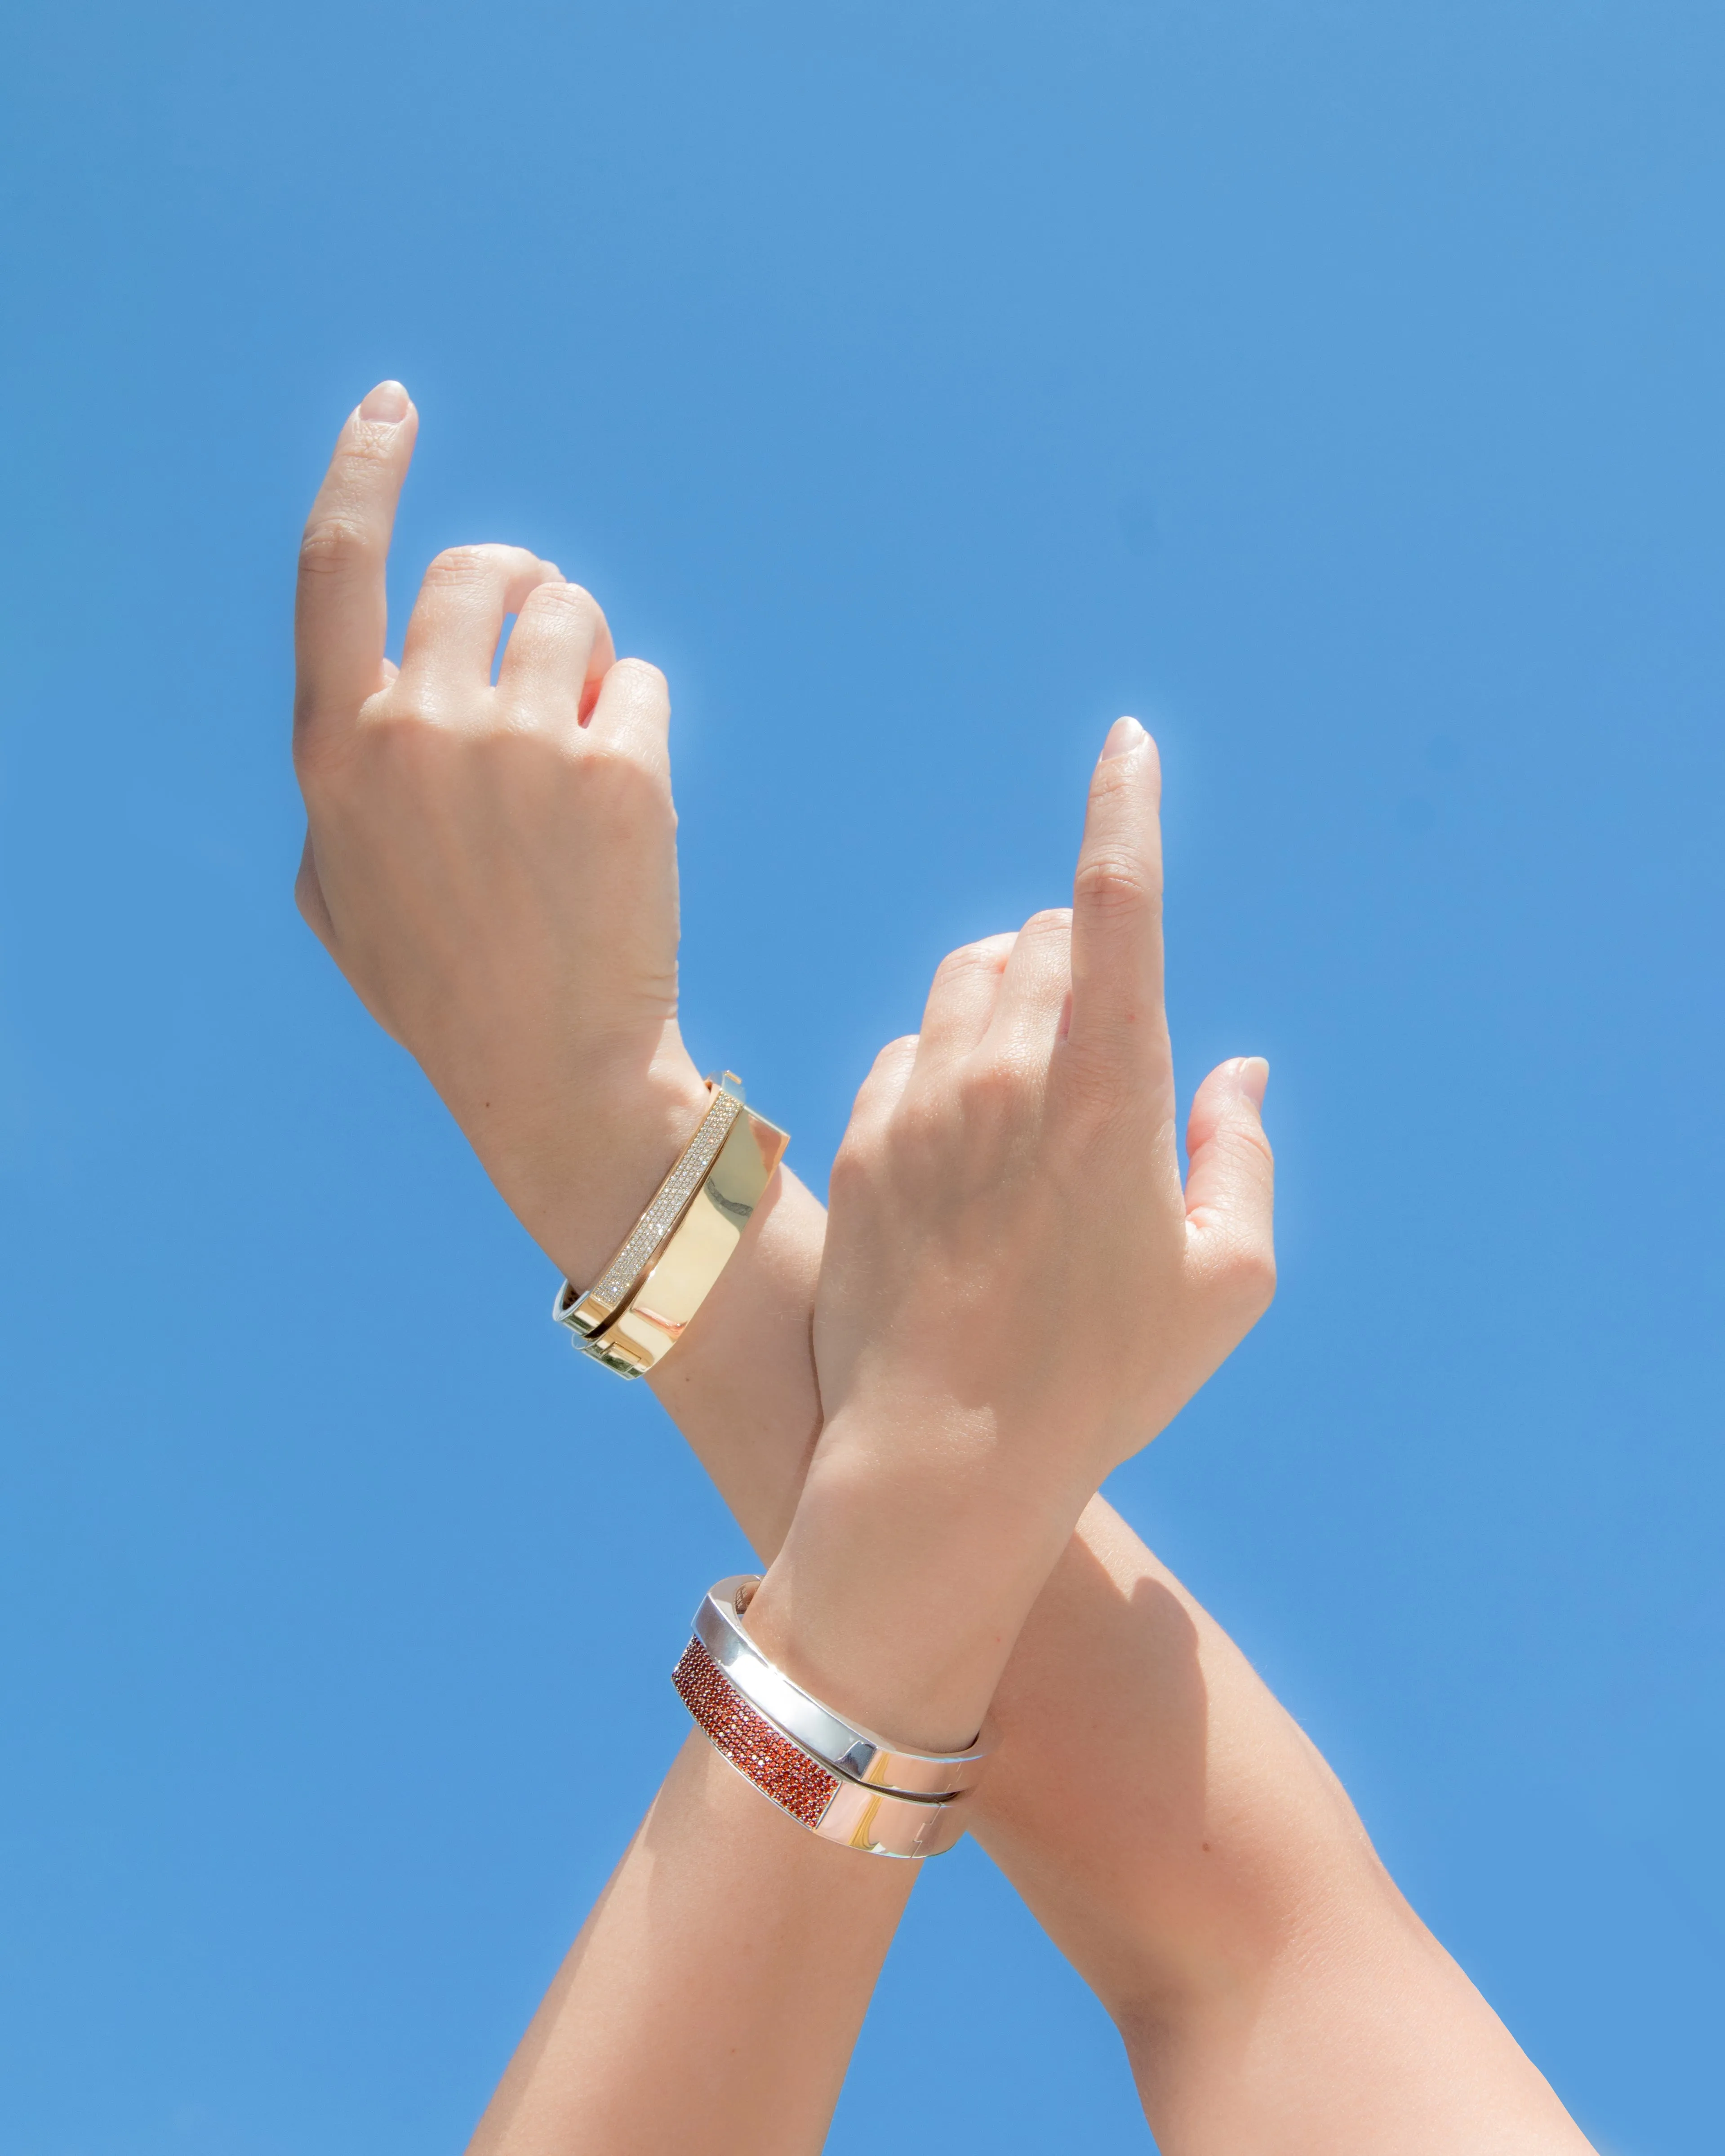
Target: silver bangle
(846,1747)
(831,1806)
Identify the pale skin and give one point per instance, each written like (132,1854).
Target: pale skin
(495,871)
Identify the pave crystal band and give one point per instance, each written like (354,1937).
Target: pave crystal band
(778,1768)
(845,1746)
(656,1225)
(637,1310)
(590,1313)
(830,1805)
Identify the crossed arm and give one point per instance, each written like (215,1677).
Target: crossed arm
(1169,1825)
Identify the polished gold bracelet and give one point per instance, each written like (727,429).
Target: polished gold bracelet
(637,1310)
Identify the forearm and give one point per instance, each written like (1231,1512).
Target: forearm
(491,860)
(1185,1844)
(714,1996)
(741,1385)
(1163,1817)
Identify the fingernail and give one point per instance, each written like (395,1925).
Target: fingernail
(1253,1077)
(1124,735)
(388,401)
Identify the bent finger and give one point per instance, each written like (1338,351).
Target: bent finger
(882,1091)
(1030,1008)
(340,613)
(557,656)
(458,618)
(1230,1181)
(961,1002)
(632,712)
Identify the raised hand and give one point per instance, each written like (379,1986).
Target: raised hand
(1016,1293)
(495,871)
(1008,1236)
(494,868)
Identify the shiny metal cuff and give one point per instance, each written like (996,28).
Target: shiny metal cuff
(846,1747)
(830,1805)
(637,1310)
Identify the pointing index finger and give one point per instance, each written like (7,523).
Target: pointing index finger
(1117,913)
(340,617)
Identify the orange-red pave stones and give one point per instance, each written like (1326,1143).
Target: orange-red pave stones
(778,1768)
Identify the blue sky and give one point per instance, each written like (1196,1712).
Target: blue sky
(1336,386)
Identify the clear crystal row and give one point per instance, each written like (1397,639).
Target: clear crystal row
(662,1215)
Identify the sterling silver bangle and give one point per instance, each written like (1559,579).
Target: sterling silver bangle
(830,1806)
(846,1747)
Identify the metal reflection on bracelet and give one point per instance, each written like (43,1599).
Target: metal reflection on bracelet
(639,1307)
(845,1746)
(831,1806)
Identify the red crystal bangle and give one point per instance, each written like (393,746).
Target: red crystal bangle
(779,1769)
(829,1804)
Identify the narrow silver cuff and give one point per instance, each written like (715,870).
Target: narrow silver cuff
(844,1747)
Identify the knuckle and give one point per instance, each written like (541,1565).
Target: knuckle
(959,965)
(854,1164)
(1050,921)
(641,679)
(635,697)
(617,776)
(919,1129)
(407,729)
(1248,1274)
(333,544)
(994,1086)
(987,955)
(459,565)
(409,744)
(1115,883)
(1236,1272)
(607,763)
(565,599)
(1250,1139)
(878,1095)
(895,1053)
(1240,1142)
(394,743)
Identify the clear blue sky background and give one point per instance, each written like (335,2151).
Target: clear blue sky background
(921,383)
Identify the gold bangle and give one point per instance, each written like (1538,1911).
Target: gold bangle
(637,1310)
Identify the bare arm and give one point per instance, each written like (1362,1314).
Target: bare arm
(1170,1826)
(1185,1846)
(713,1998)
(1167,1821)
(1164,1819)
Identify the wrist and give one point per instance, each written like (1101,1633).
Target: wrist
(906,1574)
(580,1171)
(918,1398)
(740,1384)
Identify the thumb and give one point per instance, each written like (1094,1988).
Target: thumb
(1230,1185)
